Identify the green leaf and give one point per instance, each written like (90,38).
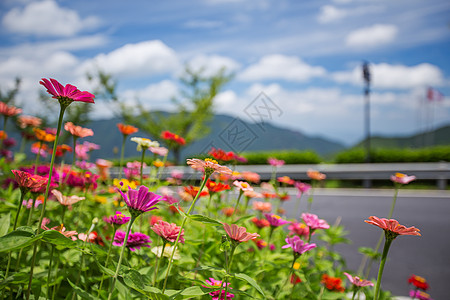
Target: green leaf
(4,224)
(17,239)
(195,291)
(251,281)
(205,220)
(80,292)
(57,238)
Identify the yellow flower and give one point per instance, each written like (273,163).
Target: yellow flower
(158,163)
(101,199)
(123,184)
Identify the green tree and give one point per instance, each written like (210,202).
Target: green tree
(194,107)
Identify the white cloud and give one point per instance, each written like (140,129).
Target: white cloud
(395,76)
(162,92)
(373,36)
(330,13)
(133,60)
(282,67)
(46,18)
(211,64)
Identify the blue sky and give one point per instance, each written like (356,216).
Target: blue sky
(304,55)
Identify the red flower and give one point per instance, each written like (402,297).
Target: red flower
(418,282)
(295,279)
(215,187)
(260,223)
(332,283)
(28,181)
(169,136)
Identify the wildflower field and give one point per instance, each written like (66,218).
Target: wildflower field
(73,231)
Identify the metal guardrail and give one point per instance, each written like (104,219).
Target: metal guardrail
(366,172)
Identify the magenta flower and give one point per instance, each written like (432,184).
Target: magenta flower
(168,231)
(299,229)
(415,294)
(140,201)
(275,220)
(302,188)
(298,245)
(358,282)
(68,93)
(220,294)
(313,222)
(402,178)
(135,240)
(275,162)
(117,219)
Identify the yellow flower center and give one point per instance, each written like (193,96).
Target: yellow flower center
(211,160)
(244,185)
(400,175)
(419,279)
(296,266)
(276,217)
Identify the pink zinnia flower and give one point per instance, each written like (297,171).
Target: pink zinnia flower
(78,131)
(161,151)
(299,229)
(135,240)
(313,222)
(9,111)
(414,294)
(275,220)
(298,245)
(117,219)
(29,203)
(29,182)
(358,281)
(68,93)
(251,176)
(66,200)
(208,166)
(242,186)
(168,231)
(239,233)
(220,294)
(28,121)
(262,206)
(253,194)
(140,201)
(393,226)
(402,178)
(275,162)
(302,188)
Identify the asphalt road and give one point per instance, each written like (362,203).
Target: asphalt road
(427,256)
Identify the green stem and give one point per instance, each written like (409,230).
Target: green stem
(32,209)
(297,205)
(107,258)
(311,196)
(142,164)
(159,261)
(50,173)
(74,154)
(133,218)
(160,170)
(387,244)
(63,214)
(56,277)
(237,201)
(50,271)
(22,196)
(354,292)
(394,199)
(291,270)
(181,229)
(122,151)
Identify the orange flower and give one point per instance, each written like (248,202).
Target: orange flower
(3,135)
(127,129)
(262,206)
(332,283)
(316,175)
(78,130)
(392,226)
(43,136)
(228,211)
(158,163)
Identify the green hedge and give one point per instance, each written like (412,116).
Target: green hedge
(290,157)
(434,154)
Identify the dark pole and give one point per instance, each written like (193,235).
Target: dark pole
(366,76)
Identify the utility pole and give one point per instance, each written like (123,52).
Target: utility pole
(367,77)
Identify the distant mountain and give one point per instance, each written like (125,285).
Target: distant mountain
(227,133)
(437,137)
